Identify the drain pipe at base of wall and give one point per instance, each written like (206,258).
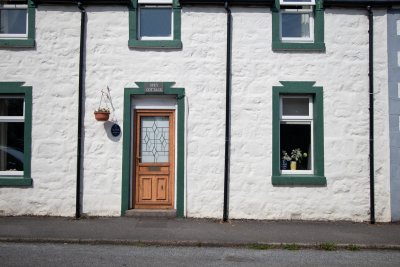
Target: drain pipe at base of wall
(227,111)
(371,113)
(80,114)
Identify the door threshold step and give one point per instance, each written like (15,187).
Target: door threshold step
(140,213)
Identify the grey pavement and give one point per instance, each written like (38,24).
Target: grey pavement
(197,232)
(33,254)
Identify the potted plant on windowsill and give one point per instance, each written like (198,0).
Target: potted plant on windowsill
(285,159)
(102,114)
(296,157)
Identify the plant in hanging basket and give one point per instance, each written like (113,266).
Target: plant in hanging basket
(102,114)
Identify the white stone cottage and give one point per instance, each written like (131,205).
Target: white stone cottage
(205,99)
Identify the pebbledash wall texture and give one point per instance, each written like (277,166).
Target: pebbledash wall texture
(51,68)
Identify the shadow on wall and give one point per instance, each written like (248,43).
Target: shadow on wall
(108,125)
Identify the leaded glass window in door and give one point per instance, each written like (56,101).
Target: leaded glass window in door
(154,139)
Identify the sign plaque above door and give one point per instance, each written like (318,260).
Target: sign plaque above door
(154,88)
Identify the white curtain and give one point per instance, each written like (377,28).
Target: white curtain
(305,25)
(3,140)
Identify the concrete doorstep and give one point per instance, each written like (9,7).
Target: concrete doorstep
(140,213)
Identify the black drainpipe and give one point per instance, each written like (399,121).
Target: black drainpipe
(371,114)
(227,111)
(80,113)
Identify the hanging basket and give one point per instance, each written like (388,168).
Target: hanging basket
(101,115)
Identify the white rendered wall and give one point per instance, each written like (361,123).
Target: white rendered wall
(342,71)
(52,69)
(199,67)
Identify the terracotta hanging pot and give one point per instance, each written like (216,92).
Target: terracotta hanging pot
(101,115)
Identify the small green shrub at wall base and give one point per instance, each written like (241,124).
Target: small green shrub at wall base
(260,246)
(327,246)
(141,244)
(353,247)
(291,247)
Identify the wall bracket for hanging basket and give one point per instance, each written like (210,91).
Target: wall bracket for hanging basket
(101,116)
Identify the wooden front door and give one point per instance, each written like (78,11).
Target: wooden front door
(154,151)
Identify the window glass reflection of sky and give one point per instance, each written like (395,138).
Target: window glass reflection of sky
(295,25)
(13,21)
(155,22)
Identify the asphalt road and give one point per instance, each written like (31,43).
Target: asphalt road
(16,254)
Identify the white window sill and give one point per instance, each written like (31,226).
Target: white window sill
(290,172)
(12,173)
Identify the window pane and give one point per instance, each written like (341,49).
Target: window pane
(11,146)
(295,25)
(16,2)
(297,1)
(154,139)
(11,106)
(295,106)
(155,22)
(297,136)
(13,21)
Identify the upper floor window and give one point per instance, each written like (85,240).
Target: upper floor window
(297,2)
(298,25)
(155,24)
(155,20)
(17,23)
(14,20)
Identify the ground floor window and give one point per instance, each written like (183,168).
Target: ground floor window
(11,134)
(298,156)
(15,133)
(296,132)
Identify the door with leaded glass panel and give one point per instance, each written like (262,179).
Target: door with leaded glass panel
(154,150)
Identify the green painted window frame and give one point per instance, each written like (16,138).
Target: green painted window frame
(134,42)
(293,88)
(26,91)
(317,45)
(30,40)
(129,94)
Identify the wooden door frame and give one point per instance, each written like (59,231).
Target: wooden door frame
(129,95)
(135,155)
